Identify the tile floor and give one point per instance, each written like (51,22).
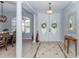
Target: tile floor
(49,50)
(10,53)
(71,53)
(29,49)
(38,50)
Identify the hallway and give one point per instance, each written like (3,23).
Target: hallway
(45,50)
(54,25)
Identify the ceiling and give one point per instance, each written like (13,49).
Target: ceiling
(8,6)
(39,6)
(42,6)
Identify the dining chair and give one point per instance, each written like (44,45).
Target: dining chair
(4,40)
(14,38)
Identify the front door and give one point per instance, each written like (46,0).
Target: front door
(49,27)
(54,27)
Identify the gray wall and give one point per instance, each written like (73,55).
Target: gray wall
(10,15)
(73,7)
(7,24)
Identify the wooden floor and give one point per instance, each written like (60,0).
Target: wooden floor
(38,50)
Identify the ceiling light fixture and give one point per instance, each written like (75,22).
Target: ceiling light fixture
(50,9)
(2,17)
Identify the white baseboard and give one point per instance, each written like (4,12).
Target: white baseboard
(34,41)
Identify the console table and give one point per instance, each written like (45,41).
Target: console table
(68,40)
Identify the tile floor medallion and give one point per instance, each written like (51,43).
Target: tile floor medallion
(49,50)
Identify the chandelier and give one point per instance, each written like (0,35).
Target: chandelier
(50,9)
(2,17)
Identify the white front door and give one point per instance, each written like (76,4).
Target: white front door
(54,27)
(51,32)
(43,27)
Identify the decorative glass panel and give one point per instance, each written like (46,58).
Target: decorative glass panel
(54,25)
(43,25)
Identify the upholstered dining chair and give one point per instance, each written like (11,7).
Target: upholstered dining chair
(4,40)
(14,38)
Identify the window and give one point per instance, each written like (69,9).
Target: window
(26,26)
(22,25)
(13,27)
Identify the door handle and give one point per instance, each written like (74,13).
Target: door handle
(49,30)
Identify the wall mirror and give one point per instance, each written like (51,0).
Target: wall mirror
(72,23)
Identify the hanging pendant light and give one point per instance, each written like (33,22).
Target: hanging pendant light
(2,17)
(50,9)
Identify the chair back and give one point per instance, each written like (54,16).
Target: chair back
(5,36)
(14,36)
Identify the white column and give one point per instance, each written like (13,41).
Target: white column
(19,30)
(34,37)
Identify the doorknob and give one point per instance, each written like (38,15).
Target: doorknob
(49,30)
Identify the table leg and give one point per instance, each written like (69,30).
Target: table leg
(64,44)
(67,46)
(76,48)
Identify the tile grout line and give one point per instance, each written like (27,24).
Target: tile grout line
(62,50)
(36,51)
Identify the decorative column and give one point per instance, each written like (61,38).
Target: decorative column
(19,30)
(34,34)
